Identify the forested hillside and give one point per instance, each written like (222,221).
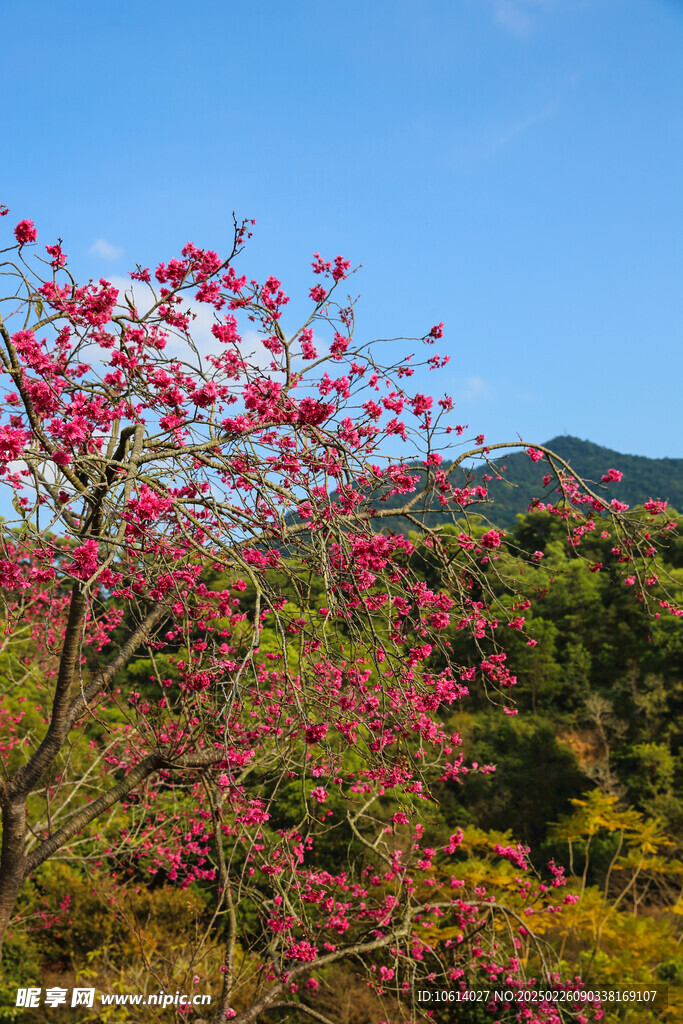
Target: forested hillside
(588,775)
(515,480)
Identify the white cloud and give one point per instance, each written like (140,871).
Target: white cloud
(498,133)
(474,389)
(518,17)
(105,250)
(523,124)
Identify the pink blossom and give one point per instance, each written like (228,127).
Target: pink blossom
(304,951)
(319,794)
(141,274)
(25,231)
(454,841)
(314,413)
(433,459)
(12,442)
(315,733)
(655,508)
(58,257)
(339,346)
(421,403)
(84,560)
(11,576)
(308,350)
(340,267)
(516,855)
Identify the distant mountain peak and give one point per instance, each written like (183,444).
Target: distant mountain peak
(522,480)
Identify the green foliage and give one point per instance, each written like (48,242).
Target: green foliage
(536,776)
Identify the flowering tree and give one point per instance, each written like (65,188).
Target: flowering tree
(238,664)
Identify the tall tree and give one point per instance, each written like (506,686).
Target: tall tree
(196,561)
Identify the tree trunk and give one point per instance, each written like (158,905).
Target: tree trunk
(12,859)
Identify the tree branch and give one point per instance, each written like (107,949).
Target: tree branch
(106,675)
(88,813)
(30,773)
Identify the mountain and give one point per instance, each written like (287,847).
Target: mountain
(642,479)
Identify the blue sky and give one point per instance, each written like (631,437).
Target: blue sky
(511,167)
